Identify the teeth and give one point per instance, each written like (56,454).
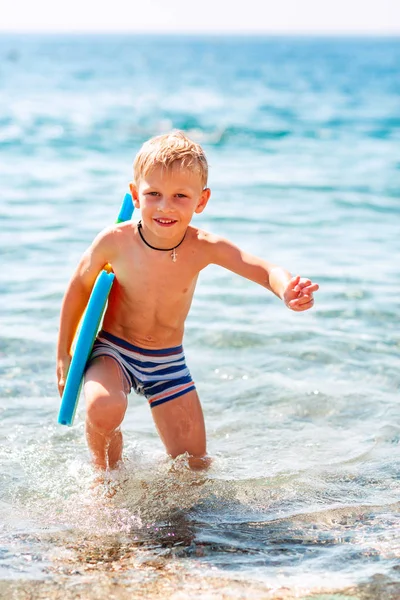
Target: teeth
(166,220)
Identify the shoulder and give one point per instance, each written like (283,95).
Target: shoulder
(113,238)
(205,237)
(212,240)
(213,247)
(115,232)
(202,240)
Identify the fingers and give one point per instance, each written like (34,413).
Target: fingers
(306,286)
(301,304)
(293,282)
(60,380)
(299,293)
(61,386)
(61,373)
(304,282)
(309,289)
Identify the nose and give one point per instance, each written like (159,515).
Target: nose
(165,204)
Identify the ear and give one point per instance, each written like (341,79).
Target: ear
(135,195)
(204,198)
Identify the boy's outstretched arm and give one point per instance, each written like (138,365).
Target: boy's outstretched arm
(296,292)
(75,301)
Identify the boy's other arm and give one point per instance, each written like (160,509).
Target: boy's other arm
(75,301)
(296,292)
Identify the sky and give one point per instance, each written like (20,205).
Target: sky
(208,16)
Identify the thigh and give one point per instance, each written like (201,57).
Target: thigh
(180,424)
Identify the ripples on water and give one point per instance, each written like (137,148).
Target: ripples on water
(302,138)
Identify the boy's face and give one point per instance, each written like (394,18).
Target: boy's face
(168,198)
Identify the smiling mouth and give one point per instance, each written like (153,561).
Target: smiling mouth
(165,221)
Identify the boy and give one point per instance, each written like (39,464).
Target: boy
(156,264)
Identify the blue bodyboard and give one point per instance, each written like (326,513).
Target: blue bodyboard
(88,331)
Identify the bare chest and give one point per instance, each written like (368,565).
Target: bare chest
(145,274)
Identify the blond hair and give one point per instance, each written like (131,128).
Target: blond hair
(168,150)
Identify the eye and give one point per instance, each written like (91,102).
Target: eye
(181,195)
(153,194)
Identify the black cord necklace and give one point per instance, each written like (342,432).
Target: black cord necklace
(172,250)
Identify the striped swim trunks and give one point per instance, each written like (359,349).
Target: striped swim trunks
(160,375)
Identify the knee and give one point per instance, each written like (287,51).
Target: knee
(105,413)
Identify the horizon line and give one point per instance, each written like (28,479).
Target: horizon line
(258,33)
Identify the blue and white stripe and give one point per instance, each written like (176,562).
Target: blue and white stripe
(160,375)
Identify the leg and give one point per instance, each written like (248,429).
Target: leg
(180,424)
(106,393)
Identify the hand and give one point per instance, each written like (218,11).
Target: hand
(298,294)
(62,370)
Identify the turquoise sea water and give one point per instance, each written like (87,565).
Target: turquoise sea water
(303,139)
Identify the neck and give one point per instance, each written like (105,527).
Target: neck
(168,248)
